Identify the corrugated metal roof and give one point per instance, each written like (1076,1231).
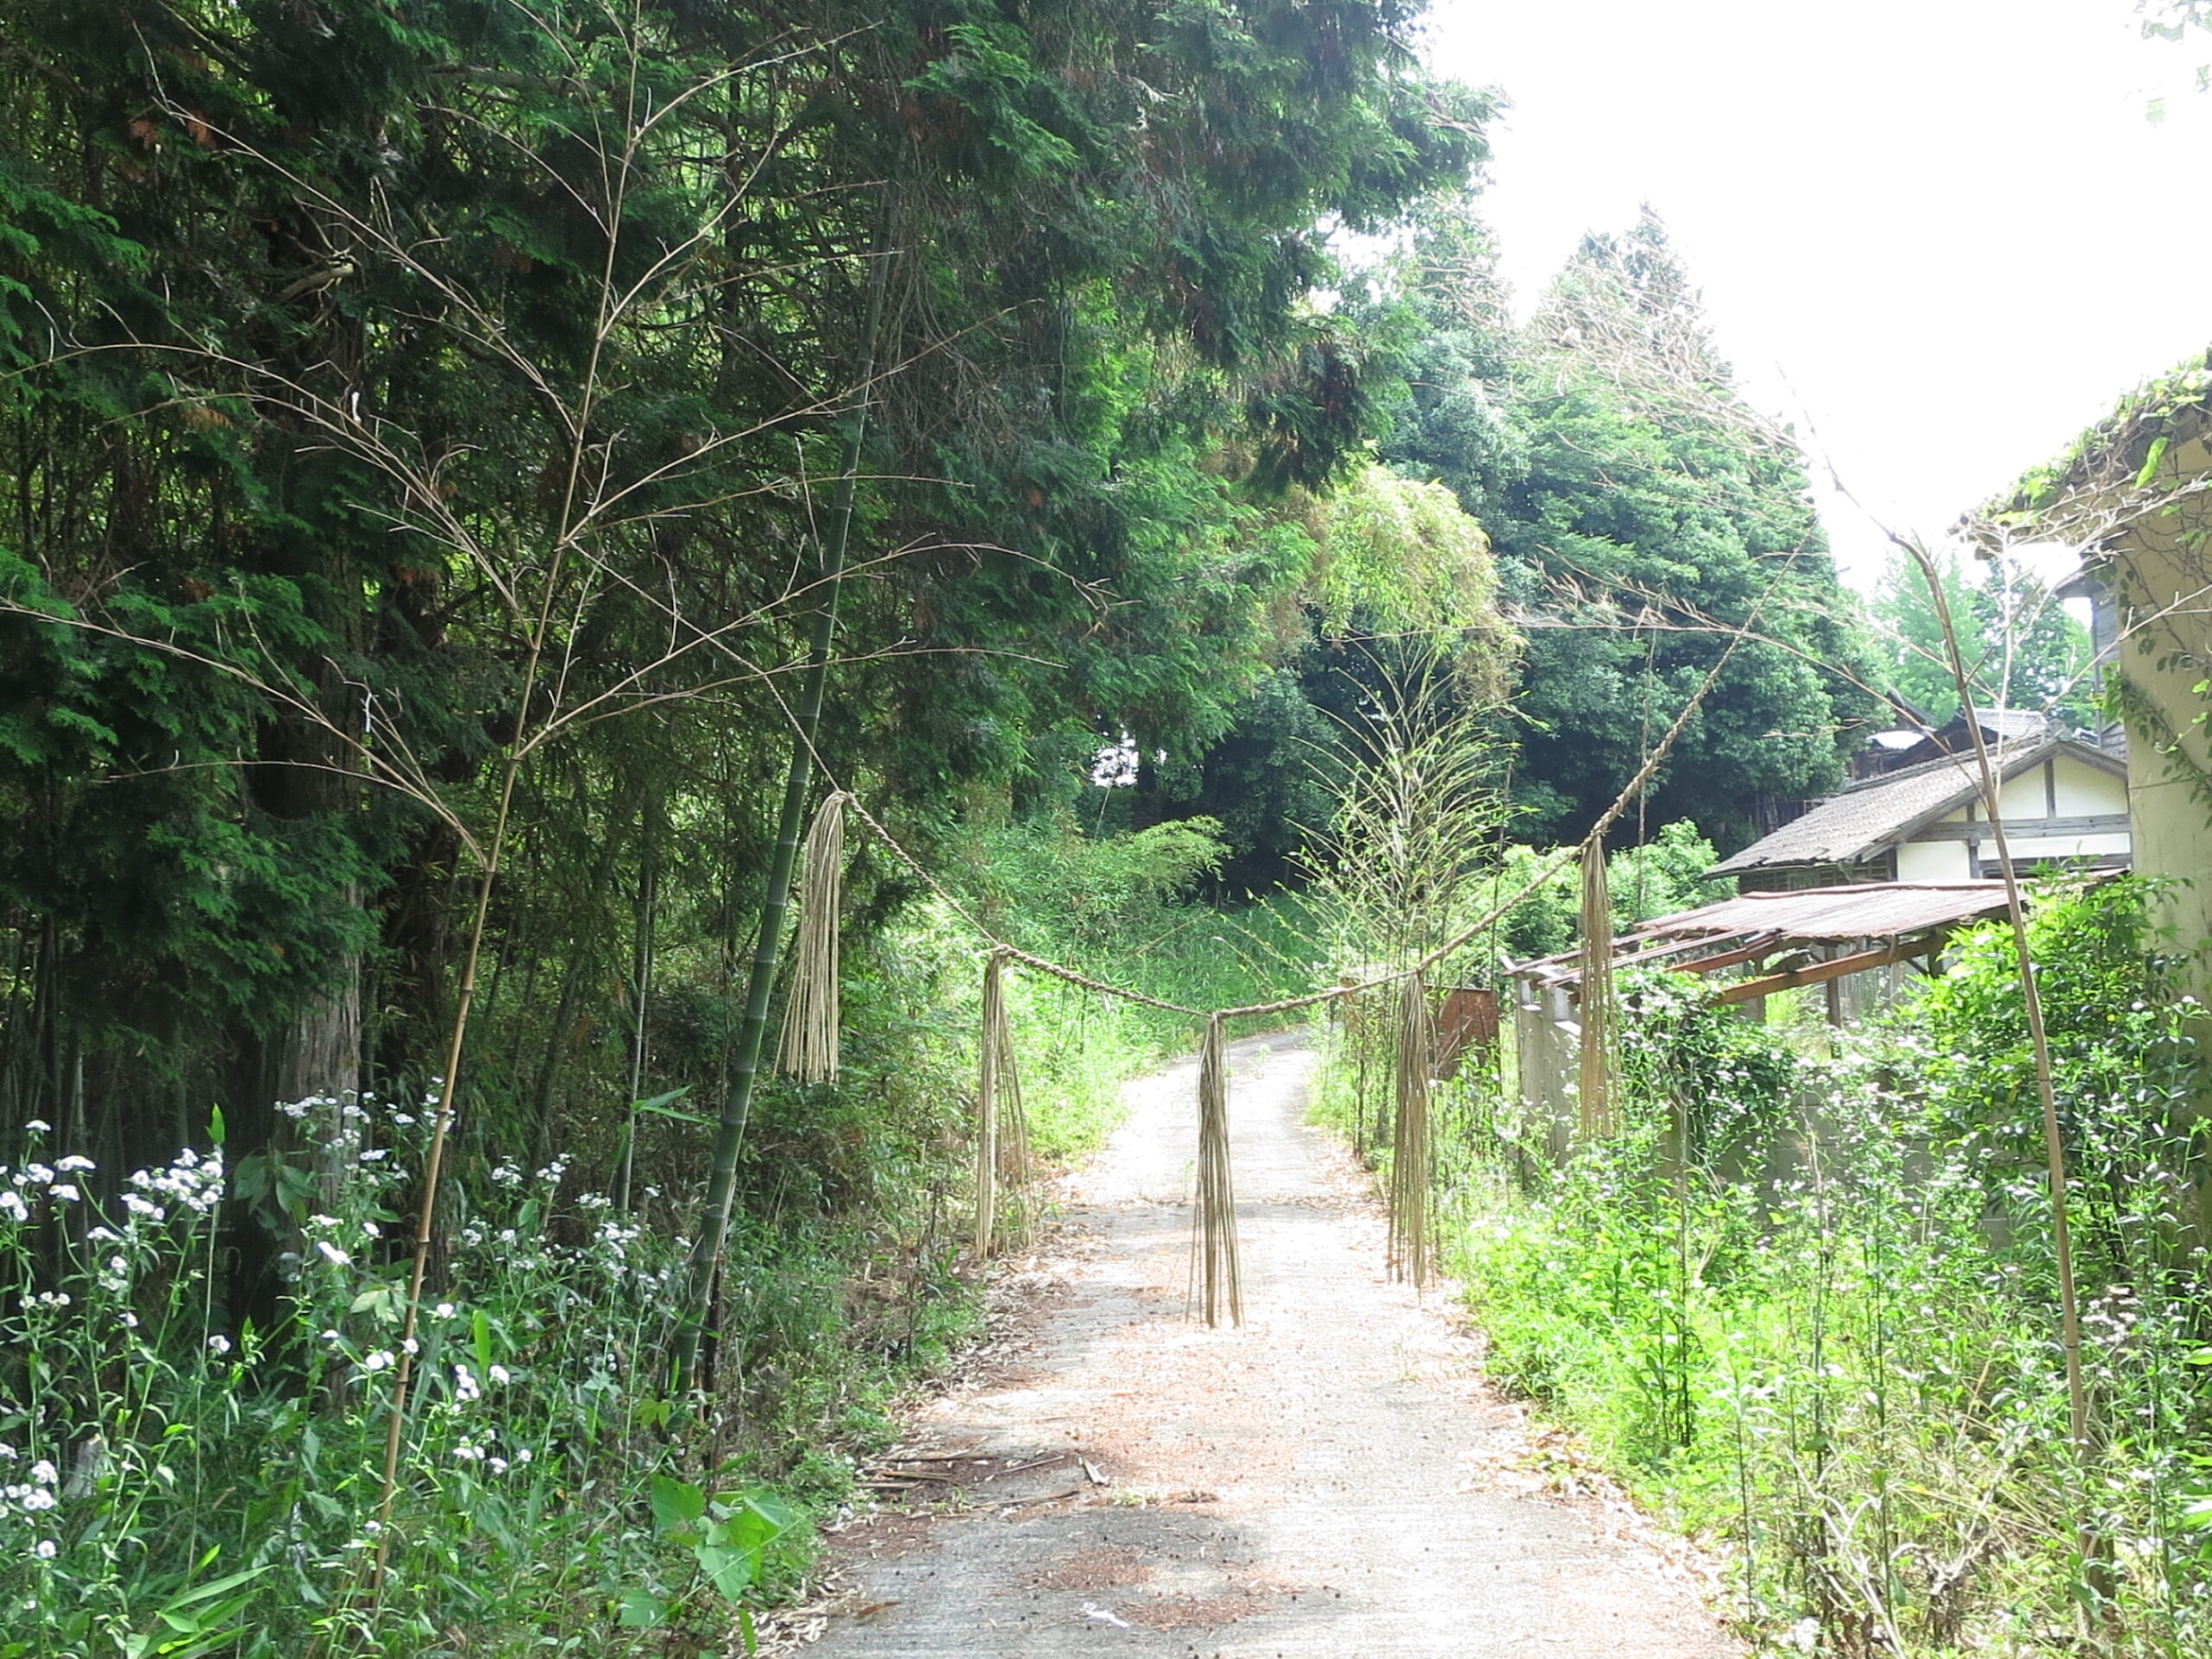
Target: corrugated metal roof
(1865,910)
(1774,921)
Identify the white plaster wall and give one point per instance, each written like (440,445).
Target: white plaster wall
(2084,791)
(2025,847)
(2021,797)
(1933,861)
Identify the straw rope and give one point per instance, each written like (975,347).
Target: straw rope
(1001,1120)
(1598,1005)
(810,1019)
(1001,1125)
(1410,1253)
(1213,1224)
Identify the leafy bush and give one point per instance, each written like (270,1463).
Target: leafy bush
(1664,876)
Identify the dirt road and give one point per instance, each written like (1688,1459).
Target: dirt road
(1334,1478)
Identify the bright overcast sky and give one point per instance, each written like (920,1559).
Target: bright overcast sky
(1944,234)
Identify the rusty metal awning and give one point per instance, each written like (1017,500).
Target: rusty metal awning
(1756,925)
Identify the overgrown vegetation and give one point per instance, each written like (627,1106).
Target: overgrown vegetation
(171,1465)
(1805,1301)
(451,450)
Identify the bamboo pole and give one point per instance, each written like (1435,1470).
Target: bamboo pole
(737,1103)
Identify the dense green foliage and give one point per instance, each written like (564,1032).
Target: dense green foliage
(2020,647)
(1663,875)
(1640,510)
(342,346)
(1806,1300)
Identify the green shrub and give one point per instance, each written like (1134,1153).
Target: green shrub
(1808,1303)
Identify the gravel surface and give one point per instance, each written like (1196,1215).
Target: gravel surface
(1333,1479)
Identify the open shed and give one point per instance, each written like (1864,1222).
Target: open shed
(1855,939)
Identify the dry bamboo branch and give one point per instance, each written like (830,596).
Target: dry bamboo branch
(2077,1399)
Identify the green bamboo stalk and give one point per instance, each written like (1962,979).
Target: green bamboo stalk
(737,1102)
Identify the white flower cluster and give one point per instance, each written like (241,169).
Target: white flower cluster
(319,1228)
(35,1494)
(479,1451)
(21,1188)
(193,1182)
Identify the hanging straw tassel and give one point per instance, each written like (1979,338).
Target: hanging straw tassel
(1213,1235)
(987,1104)
(1598,1005)
(1410,1254)
(1001,1123)
(810,1019)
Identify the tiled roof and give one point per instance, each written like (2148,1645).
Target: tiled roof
(1872,813)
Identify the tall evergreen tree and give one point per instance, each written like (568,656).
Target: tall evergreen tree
(1640,511)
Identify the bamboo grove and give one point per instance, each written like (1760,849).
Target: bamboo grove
(424,435)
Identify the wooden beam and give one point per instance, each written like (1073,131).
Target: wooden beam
(1571,971)
(1816,973)
(1761,946)
(2103,823)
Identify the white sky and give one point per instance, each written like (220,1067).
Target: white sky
(1942,236)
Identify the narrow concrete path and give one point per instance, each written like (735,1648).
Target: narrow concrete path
(1333,1479)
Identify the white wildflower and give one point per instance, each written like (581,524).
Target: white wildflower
(47,1550)
(332,1254)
